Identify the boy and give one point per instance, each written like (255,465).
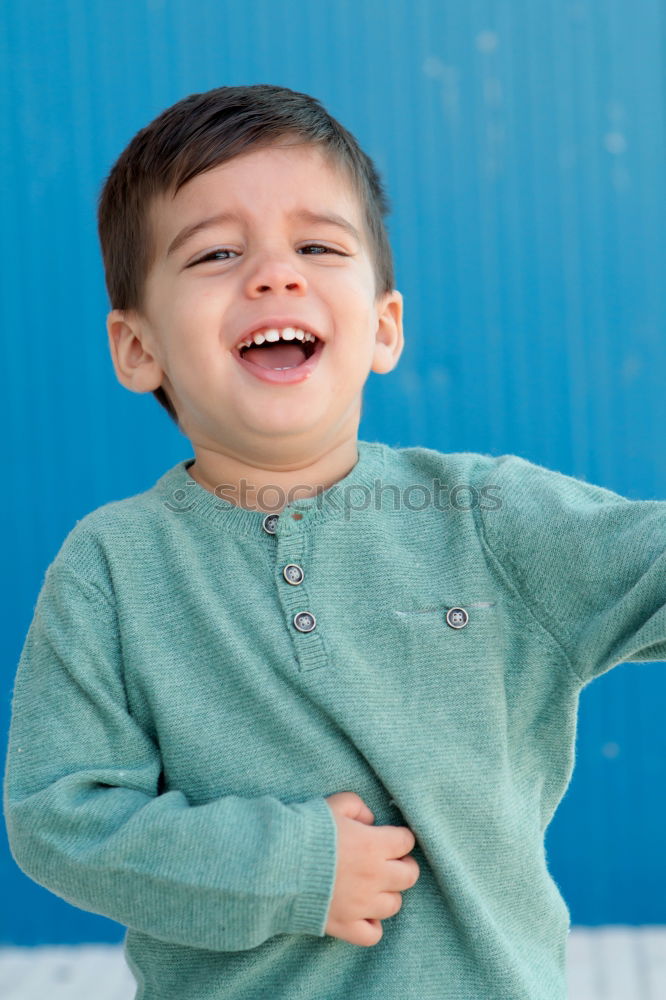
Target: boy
(252,712)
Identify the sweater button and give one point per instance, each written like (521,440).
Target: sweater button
(269,522)
(304,621)
(293,574)
(457,617)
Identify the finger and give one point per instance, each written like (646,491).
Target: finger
(386,905)
(400,839)
(353,806)
(365,933)
(402,874)
(365,815)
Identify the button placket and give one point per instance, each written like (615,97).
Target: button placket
(300,610)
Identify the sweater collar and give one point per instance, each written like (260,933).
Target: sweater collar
(181,494)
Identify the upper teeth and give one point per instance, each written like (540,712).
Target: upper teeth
(289,333)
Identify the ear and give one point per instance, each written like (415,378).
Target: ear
(389,337)
(135,366)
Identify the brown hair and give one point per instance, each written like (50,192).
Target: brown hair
(199,133)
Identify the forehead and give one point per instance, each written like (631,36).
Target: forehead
(282,179)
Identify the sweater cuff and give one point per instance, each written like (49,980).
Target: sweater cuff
(318,868)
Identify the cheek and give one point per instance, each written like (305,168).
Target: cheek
(195,326)
(193,361)
(353,362)
(198,307)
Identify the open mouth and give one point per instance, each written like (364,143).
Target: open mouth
(285,362)
(280,355)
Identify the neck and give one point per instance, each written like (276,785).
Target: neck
(269,487)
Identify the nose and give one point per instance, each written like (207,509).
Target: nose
(275,273)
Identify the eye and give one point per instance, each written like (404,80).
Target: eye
(216,254)
(320,246)
(213,255)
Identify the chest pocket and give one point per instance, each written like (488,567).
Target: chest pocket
(455,678)
(456,614)
(464,634)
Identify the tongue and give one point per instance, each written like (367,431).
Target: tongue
(276,355)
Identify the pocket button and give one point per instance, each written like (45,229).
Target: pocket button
(457,617)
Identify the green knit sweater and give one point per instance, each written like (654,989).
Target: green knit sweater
(183,707)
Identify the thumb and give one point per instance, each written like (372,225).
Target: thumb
(351,805)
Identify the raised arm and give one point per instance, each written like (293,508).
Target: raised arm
(589,564)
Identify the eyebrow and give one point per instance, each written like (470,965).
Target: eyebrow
(217,220)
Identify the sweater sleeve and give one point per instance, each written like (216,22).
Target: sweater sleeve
(86,819)
(589,564)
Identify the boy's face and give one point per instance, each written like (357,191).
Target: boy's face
(239,274)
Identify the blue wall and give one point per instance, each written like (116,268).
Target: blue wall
(522,144)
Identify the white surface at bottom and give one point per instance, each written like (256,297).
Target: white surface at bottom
(604,963)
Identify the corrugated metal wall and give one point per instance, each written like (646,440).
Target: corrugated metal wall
(522,143)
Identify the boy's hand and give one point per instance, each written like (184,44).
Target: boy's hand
(372,871)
